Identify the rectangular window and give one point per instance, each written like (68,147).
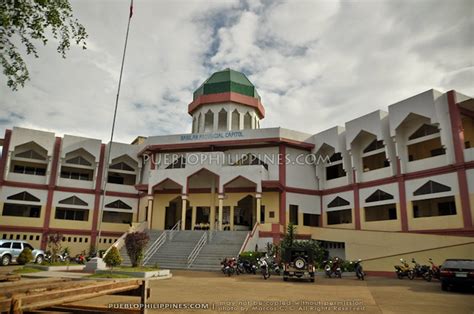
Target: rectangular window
(38,170)
(117,217)
(21,210)
(76,173)
(382,212)
(334,172)
(425,149)
(294,214)
(311,220)
(339,217)
(72,214)
(271,214)
(121,178)
(443,206)
(376,161)
(262,214)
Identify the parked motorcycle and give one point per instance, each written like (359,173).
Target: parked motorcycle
(80,258)
(404,270)
(422,271)
(328,268)
(333,267)
(274,266)
(250,268)
(229,266)
(336,268)
(435,270)
(358,269)
(264,268)
(63,257)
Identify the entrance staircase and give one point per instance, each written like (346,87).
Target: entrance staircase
(223,244)
(206,249)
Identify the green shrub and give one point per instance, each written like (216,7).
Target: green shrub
(113,258)
(25,257)
(251,256)
(135,244)
(314,248)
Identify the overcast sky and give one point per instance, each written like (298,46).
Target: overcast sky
(316,64)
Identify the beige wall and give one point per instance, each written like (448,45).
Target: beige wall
(384,225)
(382,249)
(438,222)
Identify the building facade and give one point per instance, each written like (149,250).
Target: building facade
(386,184)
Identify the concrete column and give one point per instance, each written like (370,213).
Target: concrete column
(215,122)
(183,211)
(212,213)
(193,218)
(221,209)
(232,218)
(149,211)
(229,120)
(259,207)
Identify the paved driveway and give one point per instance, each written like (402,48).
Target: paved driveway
(252,293)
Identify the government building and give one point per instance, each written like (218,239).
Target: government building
(386,185)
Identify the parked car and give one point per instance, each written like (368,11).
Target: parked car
(11,249)
(299,264)
(457,272)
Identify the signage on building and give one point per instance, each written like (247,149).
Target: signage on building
(211,136)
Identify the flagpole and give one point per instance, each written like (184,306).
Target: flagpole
(107,161)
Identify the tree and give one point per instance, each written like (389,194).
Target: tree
(135,244)
(113,258)
(25,257)
(28,21)
(54,245)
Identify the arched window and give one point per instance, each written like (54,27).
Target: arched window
(200,127)
(222,125)
(247,121)
(235,120)
(194,125)
(208,121)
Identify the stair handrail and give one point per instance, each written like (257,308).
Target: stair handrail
(247,238)
(212,233)
(173,230)
(195,252)
(119,243)
(154,247)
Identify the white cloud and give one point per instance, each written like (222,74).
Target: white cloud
(316,64)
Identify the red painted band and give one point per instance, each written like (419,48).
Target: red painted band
(228,97)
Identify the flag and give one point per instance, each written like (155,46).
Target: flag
(131,9)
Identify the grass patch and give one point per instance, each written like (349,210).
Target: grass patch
(26,270)
(136,269)
(109,275)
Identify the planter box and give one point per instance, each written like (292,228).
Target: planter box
(156,274)
(57,268)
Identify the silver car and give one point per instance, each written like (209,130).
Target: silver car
(11,249)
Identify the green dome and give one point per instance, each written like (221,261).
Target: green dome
(227,81)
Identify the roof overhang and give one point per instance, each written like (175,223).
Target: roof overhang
(227,97)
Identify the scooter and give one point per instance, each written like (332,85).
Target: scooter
(274,267)
(264,268)
(336,268)
(435,270)
(80,258)
(328,268)
(421,270)
(358,269)
(404,270)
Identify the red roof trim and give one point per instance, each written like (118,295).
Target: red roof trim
(228,97)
